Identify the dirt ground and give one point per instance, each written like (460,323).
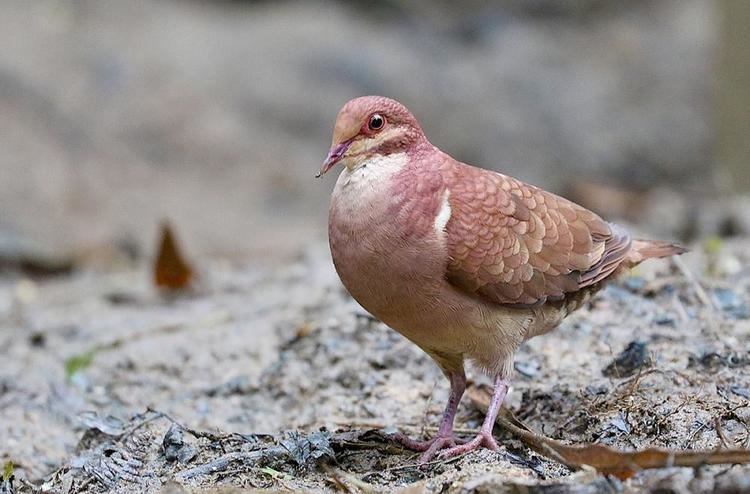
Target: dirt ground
(275,375)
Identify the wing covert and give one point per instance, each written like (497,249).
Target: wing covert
(516,244)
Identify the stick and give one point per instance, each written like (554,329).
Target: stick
(222,463)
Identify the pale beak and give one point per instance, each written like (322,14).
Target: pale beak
(335,155)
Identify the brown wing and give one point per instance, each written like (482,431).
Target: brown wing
(515,244)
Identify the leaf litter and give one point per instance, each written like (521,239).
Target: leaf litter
(172,272)
(605,459)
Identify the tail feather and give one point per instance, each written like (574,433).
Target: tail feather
(652,249)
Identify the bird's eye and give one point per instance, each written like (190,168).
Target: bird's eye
(376,122)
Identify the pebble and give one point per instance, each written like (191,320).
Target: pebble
(731,303)
(528,368)
(629,361)
(665,319)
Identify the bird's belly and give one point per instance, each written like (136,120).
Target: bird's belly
(394,280)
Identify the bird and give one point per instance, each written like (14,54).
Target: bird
(467,263)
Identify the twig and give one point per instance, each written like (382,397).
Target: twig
(720,433)
(689,439)
(680,308)
(699,291)
(340,478)
(85,483)
(156,416)
(379,425)
(439,461)
(222,463)
(427,409)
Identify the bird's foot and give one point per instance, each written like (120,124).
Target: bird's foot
(429,448)
(483,439)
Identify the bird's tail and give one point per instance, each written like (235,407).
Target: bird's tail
(641,250)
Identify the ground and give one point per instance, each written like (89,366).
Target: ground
(271,367)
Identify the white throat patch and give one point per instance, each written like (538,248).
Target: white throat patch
(372,171)
(362,191)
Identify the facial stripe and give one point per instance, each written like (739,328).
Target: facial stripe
(362,147)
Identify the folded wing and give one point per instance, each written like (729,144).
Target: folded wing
(514,244)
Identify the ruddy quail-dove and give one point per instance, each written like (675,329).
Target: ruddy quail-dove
(466,263)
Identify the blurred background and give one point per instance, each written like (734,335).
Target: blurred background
(216,114)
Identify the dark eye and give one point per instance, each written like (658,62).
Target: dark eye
(376,122)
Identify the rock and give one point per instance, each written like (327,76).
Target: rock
(728,301)
(528,368)
(175,448)
(630,361)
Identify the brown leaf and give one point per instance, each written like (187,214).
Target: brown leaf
(171,271)
(607,460)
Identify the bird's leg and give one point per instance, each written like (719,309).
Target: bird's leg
(444,438)
(484,438)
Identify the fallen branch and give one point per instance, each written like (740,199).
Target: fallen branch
(697,287)
(222,463)
(607,460)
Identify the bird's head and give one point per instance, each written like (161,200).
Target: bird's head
(371,126)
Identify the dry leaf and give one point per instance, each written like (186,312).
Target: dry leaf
(607,460)
(171,271)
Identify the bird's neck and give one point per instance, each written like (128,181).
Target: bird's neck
(384,190)
(370,175)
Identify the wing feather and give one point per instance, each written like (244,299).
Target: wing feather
(515,244)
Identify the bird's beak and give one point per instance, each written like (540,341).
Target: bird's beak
(335,155)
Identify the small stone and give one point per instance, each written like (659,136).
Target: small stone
(175,448)
(620,424)
(728,301)
(109,425)
(26,291)
(593,390)
(37,339)
(635,284)
(665,319)
(528,368)
(633,358)
(743,392)
(237,385)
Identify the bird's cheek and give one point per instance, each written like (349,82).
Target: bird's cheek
(359,151)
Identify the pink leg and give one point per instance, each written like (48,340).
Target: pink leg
(484,438)
(444,437)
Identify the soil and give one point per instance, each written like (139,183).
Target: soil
(268,376)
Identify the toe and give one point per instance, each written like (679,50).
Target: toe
(481,440)
(489,442)
(410,443)
(438,444)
